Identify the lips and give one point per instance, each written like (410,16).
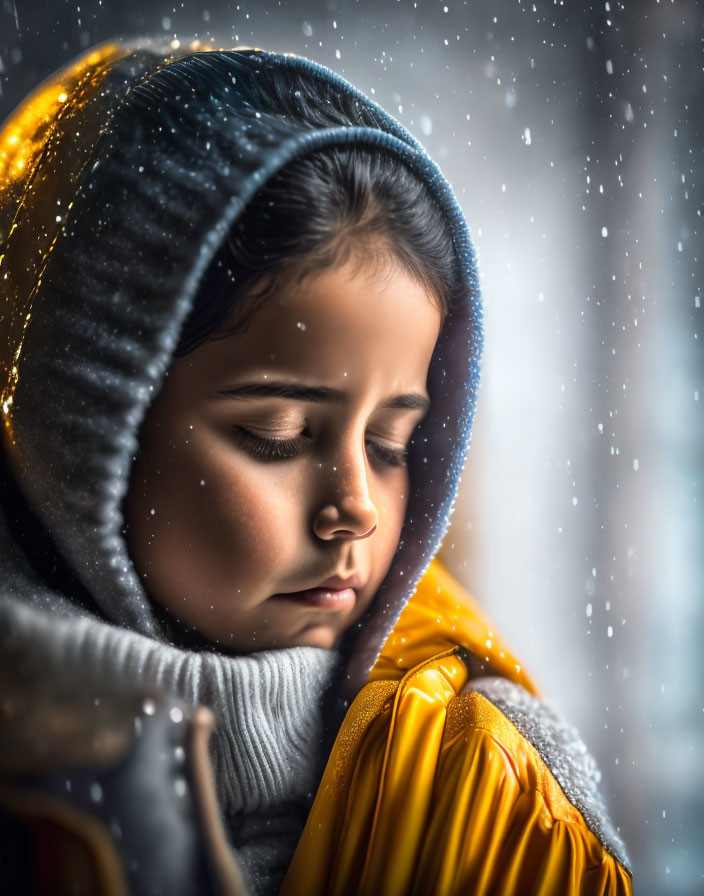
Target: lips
(324,598)
(334,593)
(339,582)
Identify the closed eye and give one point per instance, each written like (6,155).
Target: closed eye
(394,457)
(270,449)
(266,448)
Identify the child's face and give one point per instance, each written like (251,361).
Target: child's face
(222,534)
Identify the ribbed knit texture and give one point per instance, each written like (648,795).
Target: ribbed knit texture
(266,747)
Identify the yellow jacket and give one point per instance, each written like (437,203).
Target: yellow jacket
(432,790)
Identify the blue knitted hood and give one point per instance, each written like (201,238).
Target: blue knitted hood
(120,178)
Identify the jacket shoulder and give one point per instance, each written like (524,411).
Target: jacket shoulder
(546,754)
(563,752)
(436,786)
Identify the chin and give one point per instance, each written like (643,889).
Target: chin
(313,636)
(318,636)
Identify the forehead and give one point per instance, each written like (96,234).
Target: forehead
(341,325)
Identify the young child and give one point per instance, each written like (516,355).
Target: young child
(240,338)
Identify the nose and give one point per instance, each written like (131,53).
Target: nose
(347,511)
(347,518)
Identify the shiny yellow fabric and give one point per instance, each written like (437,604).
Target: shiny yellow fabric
(430,791)
(440,616)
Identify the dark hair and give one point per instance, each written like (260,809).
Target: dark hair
(317,211)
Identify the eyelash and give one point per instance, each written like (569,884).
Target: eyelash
(281,449)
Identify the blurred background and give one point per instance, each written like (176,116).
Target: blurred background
(573,135)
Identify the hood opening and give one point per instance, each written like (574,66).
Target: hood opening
(182,146)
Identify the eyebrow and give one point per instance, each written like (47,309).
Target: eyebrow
(299,392)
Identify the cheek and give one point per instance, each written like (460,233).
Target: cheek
(224,521)
(391,507)
(246,510)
